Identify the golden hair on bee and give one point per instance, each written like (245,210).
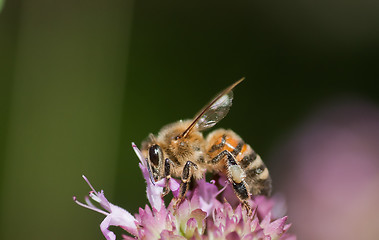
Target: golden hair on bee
(181,151)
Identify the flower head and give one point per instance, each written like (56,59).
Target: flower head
(201,215)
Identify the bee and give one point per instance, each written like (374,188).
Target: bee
(180,150)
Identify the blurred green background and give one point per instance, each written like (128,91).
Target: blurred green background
(81,80)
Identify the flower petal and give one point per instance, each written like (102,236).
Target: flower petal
(232,236)
(109,235)
(122,218)
(190,227)
(276,227)
(170,236)
(153,192)
(174,186)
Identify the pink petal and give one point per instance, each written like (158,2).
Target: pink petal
(264,205)
(232,236)
(170,236)
(184,208)
(255,225)
(174,186)
(266,220)
(191,227)
(250,236)
(109,235)
(121,217)
(286,227)
(153,192)
(199,216)
(128,237)
(219,217)
(276,227)
(139,154)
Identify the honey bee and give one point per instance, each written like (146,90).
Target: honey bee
(180,150)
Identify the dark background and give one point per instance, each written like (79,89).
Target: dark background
(81,80)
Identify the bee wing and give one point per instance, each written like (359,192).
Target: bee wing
(213,112)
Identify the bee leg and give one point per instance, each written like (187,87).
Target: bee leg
(236,176)
(167,174)
(247,206)
(219,157)
(186,176)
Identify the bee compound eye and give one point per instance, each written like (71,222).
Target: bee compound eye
(155,154)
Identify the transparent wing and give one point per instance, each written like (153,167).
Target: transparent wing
(213,112)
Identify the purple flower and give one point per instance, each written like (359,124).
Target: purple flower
(199,216)
(115,216)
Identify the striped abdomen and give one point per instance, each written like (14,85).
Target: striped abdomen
(257,176)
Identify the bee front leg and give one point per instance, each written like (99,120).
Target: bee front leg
(186,176)
(167,174)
